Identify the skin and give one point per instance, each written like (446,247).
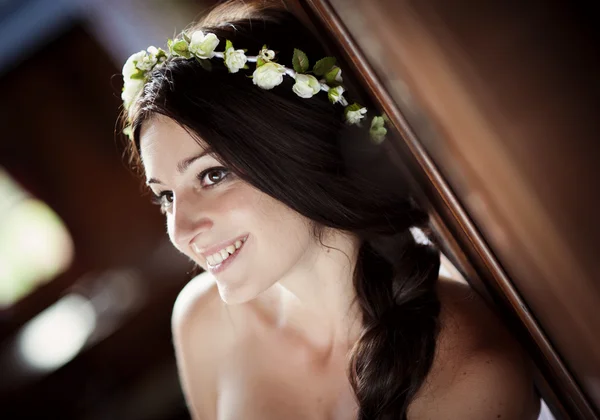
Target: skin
(268,338)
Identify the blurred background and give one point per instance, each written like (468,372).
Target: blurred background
(87,276)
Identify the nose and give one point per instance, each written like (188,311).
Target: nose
(190,217)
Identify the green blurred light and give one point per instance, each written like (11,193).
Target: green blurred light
(35,245)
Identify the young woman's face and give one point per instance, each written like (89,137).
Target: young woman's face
(211,212)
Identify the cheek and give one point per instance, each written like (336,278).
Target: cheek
(285,234)
(280,231)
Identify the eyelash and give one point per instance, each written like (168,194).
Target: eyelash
(159,199)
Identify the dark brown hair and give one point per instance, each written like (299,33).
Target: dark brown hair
(291,149)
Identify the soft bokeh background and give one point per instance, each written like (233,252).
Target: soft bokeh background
(87,276)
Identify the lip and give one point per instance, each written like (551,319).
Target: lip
(224,264)
(206,251)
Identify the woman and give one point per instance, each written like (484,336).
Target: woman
(316,301)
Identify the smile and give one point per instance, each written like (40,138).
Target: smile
(223,258)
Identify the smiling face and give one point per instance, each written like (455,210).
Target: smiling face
(209,208)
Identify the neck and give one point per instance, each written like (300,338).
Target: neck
(315,301)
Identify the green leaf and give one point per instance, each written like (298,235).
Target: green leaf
(161,53)
(353,107)
(206,64)
(259,62)
(187,38)
(128,131)
(180,47)
(324,65)
(138,75)
(228,45)
(265,47)
(331,75)
(300,61)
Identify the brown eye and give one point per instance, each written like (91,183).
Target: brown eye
(167,198)
(213,176)
(163,199)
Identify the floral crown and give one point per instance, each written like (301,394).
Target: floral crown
(325,75)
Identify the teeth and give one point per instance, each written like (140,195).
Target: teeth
(215,258)
(222,255)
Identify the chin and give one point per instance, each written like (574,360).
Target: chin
(236,295)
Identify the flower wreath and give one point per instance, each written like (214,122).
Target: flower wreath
(267,74)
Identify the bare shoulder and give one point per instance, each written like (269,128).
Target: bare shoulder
(479,371)
(198,296)
(198,339)
(467,323)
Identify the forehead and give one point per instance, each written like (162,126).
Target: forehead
(163,141)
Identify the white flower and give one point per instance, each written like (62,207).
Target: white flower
(203,46)
(268,75)
(135,72)
(148,59)
(335,94)
(130,91)
(132,87)
(354,117)
(130,66)
(235,59)
(306,86)
(378,130)
(266,55)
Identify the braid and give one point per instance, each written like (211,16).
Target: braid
(400,309)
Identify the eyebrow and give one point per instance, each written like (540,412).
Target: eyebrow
(183,165)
